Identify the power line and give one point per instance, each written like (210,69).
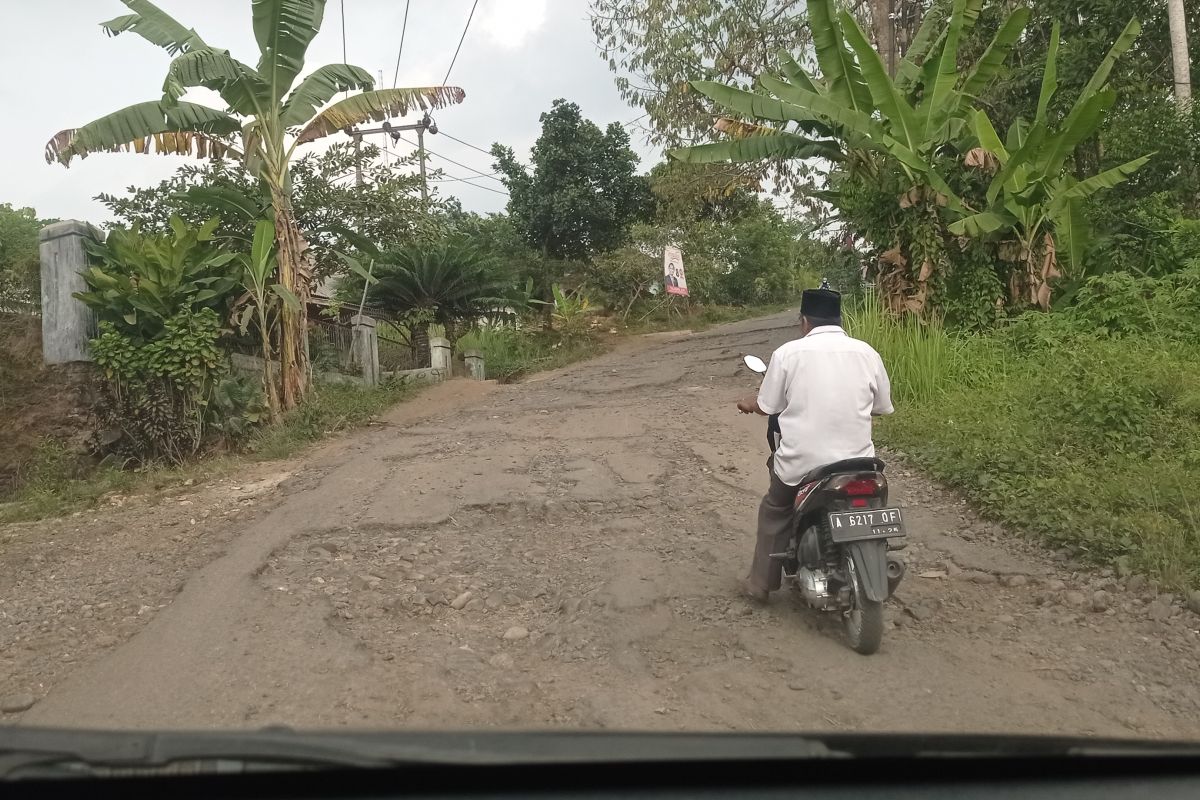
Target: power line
(345,57)
(452,178)
(480,149)
(403,30)
(460,41)
(448,180)
(467,181)
(452,161)
(468,144)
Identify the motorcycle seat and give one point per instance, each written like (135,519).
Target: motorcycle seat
(846,465)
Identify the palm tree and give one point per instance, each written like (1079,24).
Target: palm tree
(445,283)
(266,120)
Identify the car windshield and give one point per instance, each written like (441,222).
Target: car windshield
(754,366)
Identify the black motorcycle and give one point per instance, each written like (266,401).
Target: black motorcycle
(840,552)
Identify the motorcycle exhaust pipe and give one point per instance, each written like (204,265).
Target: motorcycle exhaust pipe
(895,574)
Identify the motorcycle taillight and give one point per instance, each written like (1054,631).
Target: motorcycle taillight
(859,485)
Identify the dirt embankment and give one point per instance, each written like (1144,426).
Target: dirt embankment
(37,403)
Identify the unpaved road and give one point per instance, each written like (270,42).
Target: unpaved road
(559,553)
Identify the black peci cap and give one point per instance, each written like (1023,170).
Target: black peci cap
(821,303)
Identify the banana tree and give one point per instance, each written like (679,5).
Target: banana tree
(854,105)
(269,114)
(264,302)
(857,114)
(1035,207)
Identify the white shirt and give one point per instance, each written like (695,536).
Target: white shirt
(825,388)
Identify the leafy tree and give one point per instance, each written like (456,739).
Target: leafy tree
(692,192)
(495,235)
(269,114)
(334,214)
(906,139)
(19,265)
(757,257)
(657,46)
(581,195)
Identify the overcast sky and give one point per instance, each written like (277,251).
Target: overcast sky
(519,55)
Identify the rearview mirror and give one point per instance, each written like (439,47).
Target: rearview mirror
(755,364)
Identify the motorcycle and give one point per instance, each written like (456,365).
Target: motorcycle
(844,535)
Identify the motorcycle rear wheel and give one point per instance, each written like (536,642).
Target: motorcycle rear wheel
(864,619)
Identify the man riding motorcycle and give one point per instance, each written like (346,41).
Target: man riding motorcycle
(825,387)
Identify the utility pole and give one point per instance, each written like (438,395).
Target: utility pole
(426,124)
(421,156)
(1177,21)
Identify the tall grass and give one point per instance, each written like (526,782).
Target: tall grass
(920,356)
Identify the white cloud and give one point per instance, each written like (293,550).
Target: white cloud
(509,23)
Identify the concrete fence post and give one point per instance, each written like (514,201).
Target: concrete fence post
(475,369)
(67,323)
(365,347)
(440,355)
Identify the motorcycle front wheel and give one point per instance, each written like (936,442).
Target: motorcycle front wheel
(864,619)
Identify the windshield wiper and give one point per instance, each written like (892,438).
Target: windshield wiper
(33,752)
(28,752)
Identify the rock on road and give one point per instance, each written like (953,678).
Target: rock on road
(559,553)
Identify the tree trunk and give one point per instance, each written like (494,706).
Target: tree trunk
(883,30)
(452,327)
(295,275)
(1179,53)
(420,345)
(269,385)
(547,290)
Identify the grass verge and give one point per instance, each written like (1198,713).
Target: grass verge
(698,319)
(52,483)
(1084,441)
(510,354)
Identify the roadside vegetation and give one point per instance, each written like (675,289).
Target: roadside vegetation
(1081,428)
(54,480)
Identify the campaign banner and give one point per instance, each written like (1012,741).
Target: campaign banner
(674,279)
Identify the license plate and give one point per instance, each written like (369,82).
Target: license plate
(874,523)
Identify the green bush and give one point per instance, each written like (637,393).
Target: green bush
(1085,437)
(154,398)
(163,306)
(141,281)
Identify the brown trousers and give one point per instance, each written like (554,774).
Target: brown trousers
(774,531)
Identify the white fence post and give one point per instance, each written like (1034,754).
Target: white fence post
(365,347)
(475,368)
(67,323)
(440,355)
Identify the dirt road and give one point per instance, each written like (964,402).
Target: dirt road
(559,553)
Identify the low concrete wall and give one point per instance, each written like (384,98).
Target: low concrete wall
(247,363)
(426,375)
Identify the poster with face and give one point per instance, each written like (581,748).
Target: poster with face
(673,278)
